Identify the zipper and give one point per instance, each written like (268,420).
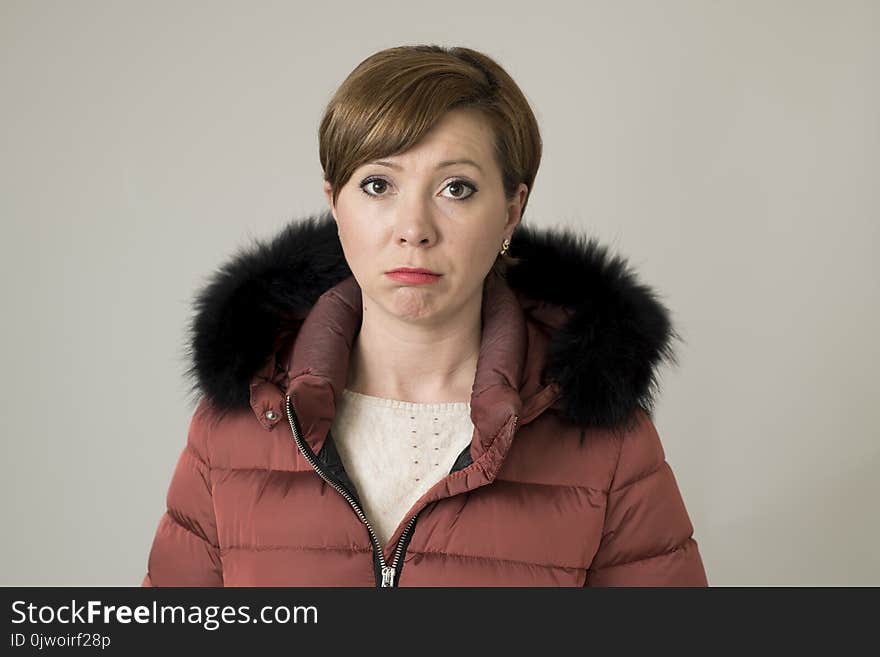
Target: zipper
(390,573)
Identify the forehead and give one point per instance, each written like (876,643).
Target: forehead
(468,128)
(460,134)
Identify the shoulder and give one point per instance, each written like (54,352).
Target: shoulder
(639,450)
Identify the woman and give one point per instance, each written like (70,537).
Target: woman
(482,421)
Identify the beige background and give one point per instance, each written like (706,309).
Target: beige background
(730,150)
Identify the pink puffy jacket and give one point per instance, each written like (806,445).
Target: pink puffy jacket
(565,482)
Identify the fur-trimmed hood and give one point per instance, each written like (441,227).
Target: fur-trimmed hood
(603,355)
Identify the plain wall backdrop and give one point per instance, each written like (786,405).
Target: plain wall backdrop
(729,150)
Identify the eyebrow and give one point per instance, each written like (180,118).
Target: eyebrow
(440,165)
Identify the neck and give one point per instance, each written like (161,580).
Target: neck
(428,363)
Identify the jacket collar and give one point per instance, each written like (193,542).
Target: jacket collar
(318,364)
(595,334)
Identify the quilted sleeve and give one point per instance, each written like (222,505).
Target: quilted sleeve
(185,550)
(648,536)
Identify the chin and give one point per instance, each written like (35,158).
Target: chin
(411,303)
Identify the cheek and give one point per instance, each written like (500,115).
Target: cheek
(474,252)
(482,243)
(358,243)
(350,244)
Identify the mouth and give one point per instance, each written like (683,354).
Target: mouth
(412,276)
(411,270)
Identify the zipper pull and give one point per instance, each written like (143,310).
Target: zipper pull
(387,576)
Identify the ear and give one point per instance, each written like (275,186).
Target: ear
(328,192)
(514,209)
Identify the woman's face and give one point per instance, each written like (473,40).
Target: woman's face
(414,211)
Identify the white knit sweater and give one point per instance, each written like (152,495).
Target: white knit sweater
(394,451)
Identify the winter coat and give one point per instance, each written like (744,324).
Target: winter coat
(565,482)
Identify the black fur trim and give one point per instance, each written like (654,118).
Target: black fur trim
(605,357)
(241,311)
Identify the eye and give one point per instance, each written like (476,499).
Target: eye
(370,182)
(463,185)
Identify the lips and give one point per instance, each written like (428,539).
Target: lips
(413,276)
(413,270)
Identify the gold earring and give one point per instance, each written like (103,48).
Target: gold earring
(504,246)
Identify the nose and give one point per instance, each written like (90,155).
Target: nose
(415,224)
